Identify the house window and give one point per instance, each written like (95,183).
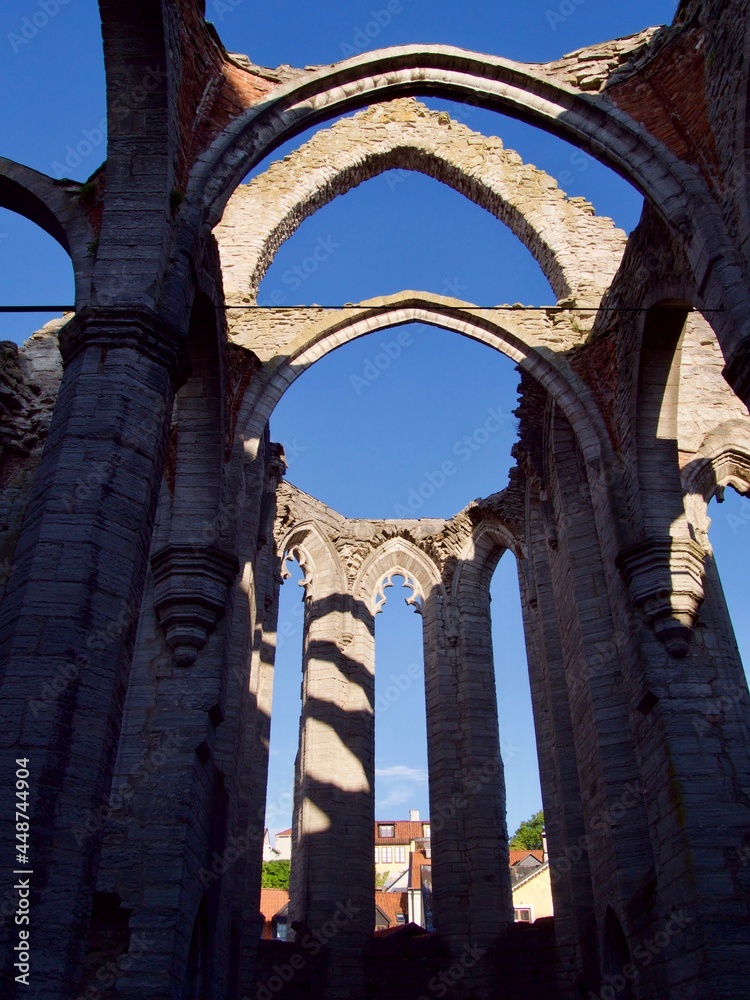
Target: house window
(386,854)
(400,918)
(279,928)
(386,831)
(425,829)
(377,856)
(400,855)
(522,915)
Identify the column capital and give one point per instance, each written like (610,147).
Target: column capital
(191,589)
(665,580)
(131,327)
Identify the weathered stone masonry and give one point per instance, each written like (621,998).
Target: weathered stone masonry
(145,523)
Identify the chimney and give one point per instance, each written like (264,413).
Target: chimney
(414,815)
(545,856)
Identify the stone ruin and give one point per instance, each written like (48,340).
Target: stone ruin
(145,526)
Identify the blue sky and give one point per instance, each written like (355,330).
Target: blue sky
(370,446)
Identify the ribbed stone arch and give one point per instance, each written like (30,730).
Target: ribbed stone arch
(404,134)
(723,460)
(317,558)
(528,92)
(484,548)
(562,384)
(54,207)
(396,557)
(520,90)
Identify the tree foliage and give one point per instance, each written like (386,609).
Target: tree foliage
(381,878)
(276,874)
(528,837)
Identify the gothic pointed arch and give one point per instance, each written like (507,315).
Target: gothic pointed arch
(533,349)
(489,540)
(405,135)
(55,207)
(397,557)
(308,543)
(722,460)
(547,96)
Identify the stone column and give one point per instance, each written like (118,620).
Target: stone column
(445,778)
(487,890)
(693,710)
(472,889)
(596,649)
(570,872)
(251,733)
(471,881)
(332,850)
(69,615)
(693,731)
(167,846)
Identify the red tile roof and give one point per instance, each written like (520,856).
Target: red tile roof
(416,860)
(392,903)
(404,831)
(271,901)
(516,856)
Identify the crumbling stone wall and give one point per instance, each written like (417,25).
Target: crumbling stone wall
(124,621)
(29,379)
(570,242)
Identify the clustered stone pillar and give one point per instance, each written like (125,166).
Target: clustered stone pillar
(70,611)
(471,882)
(165,853)
(570,872)
(484,895)
(594,652)
(332,887)
(253,732)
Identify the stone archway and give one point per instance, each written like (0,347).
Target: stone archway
(404,134)
(535,94)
